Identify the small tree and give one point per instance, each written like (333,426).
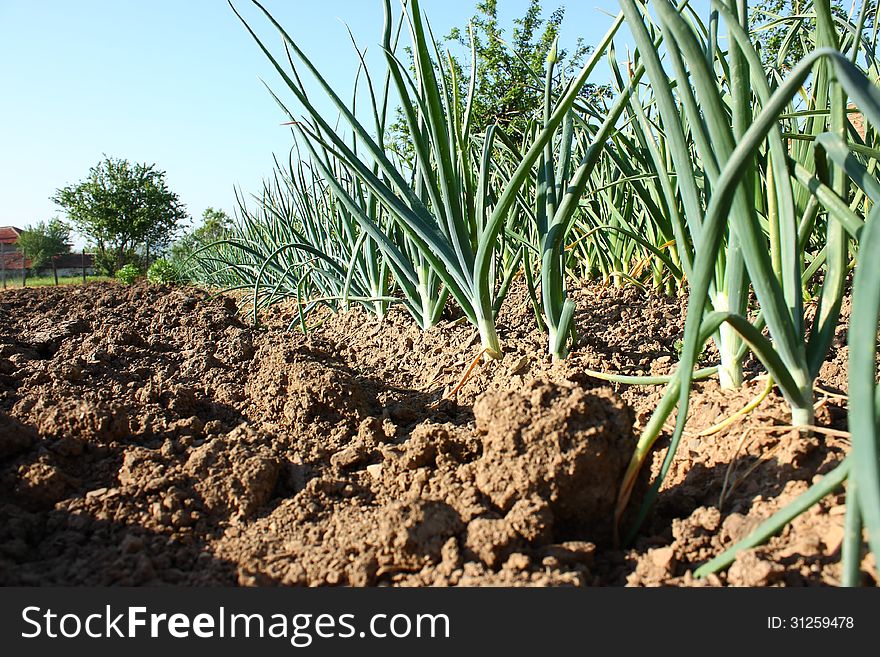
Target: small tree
(123,209)
(42,242)
(215,226)
(507,92)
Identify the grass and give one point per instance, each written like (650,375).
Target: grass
(48,281)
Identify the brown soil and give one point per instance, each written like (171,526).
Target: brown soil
(149,436)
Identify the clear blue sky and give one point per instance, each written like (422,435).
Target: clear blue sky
(177,83)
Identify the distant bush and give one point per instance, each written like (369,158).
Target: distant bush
(127,274)
(162,272)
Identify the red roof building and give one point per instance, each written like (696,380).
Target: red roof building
(10,257)
(9,234)
(13,259)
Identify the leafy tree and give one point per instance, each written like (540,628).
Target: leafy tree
(215,226)
(784,38)
(41,242)
(509,74)
(125,210)
(509,84)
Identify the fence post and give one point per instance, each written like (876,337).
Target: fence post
(83,262)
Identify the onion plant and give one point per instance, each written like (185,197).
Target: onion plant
(771,248)
(454,227)
(302,239)
(559,187)
(624,215)
(699,120)
(293,242)
(860,470)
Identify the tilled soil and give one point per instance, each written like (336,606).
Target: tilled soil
(149,435)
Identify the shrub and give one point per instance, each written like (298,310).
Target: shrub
(162,272)
(127,274)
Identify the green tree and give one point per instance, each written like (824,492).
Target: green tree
(125,210)
(509,73)
(509,85)
(215,226)
(41,242)
(784,38)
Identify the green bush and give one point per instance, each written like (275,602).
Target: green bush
(162,272)
(127,274)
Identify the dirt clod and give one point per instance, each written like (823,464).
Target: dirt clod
(561,444)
